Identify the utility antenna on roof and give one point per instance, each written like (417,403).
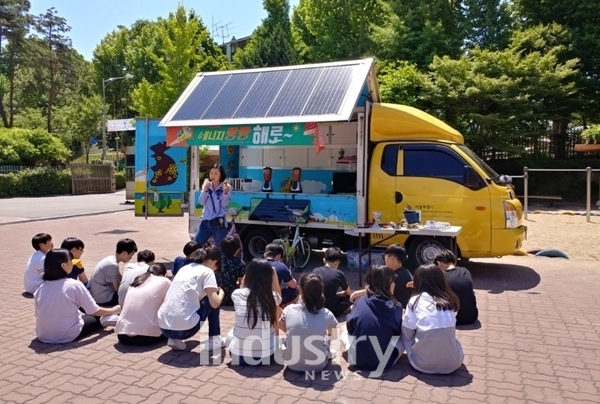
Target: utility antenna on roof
(222,31)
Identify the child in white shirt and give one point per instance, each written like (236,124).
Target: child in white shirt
(34,272)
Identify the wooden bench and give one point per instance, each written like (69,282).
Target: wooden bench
(550,198)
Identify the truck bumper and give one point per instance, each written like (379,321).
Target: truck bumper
(508,241)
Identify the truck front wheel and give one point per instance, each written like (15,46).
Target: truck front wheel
(255,240)
(422,250)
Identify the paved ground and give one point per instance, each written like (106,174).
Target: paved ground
(538,340)
(13,210)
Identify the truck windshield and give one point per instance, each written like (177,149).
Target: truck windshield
(489,171)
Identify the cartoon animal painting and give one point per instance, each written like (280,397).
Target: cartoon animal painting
(159,201)
(165,168)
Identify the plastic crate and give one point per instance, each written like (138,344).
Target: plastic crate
(376,259)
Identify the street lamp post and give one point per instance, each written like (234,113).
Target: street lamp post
(105,82)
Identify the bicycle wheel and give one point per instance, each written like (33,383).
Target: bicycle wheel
(302,254)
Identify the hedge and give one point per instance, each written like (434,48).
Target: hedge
(41,182)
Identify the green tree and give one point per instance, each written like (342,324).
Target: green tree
(582,22)
(14,26)
(31,147)
(401,83)
(83,121)
(418,31)
(52,54)
(332,30)
(186,49)
(30,118)
(271,43)
(123,51)
(496,98)
(488,23)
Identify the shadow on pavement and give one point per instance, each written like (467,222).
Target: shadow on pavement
(499,278)
(117,231)
(42,348)
(182,359)
(459,378)
(323,380)
(262,371)
(466,327)
(138,349)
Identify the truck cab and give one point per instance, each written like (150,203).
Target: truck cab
(423,162)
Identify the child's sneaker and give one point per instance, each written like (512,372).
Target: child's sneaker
(109,321)
(176,344)
(332,354)
(215,343)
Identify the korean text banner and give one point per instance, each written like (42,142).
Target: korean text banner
(291,134)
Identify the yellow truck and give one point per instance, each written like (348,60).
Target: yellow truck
(420,160)
(318,139)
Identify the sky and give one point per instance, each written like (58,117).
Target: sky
(91,20)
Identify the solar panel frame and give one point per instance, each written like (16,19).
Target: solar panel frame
(337,86)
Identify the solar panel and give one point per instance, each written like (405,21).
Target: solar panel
(200,99)
(295,93)
(299,93)
(231,95)
(258,104)
(328,94)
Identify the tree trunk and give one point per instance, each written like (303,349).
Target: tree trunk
(11,98)
(51,97)
(559,139)
(3,112)
(86,150)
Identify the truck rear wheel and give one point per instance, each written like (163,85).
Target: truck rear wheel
(255,240)
(422,250)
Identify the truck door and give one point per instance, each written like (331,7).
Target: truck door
(444,187)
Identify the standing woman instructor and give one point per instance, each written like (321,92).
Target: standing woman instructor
(214,198)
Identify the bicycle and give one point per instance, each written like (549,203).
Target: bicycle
(297,253)
(232,232)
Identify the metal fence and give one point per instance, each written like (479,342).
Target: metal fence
(93,178)
(588,199)
(523,146)
(15,168)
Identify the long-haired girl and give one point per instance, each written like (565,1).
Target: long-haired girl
(252,339)
(138,322)
(428,327)
(307,322)
(376,318)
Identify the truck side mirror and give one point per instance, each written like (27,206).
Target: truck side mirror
(471,179)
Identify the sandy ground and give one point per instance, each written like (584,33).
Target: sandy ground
(569,233)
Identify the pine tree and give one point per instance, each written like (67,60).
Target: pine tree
(271,43)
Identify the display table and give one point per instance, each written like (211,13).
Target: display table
(449,233)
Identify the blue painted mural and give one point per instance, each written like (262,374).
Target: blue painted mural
(160,171)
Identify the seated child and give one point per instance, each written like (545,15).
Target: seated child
(460,281)
(180,262)
(428,327)
(145,258)
(232,268)
(34,272)
(138,322)
(192,298)
(106,277)
(252,340)
(75,247)
(307,321)
(289,287)
(336,290)
(58,302)
(376,318)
